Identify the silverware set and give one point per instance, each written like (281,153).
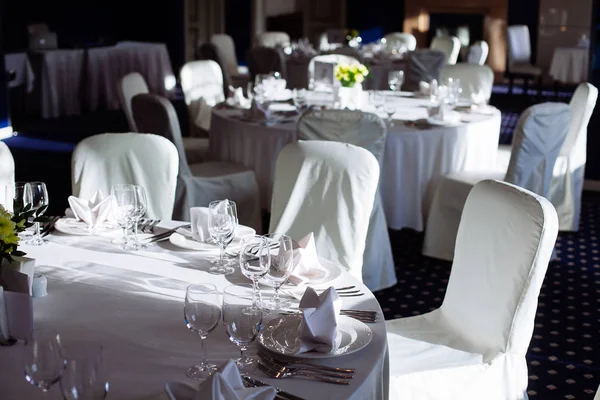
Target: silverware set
(349,291)
(147,225)
(281,395)
(165,235)
(366,316)
(48,227)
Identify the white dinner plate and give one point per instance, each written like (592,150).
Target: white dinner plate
(329,272)
(72,226)
(284,95)
(282,107)
(279,336)
(455,119)
(188,243)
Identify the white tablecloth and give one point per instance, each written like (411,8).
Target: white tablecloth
(133,305)
(570,64)
(19,62)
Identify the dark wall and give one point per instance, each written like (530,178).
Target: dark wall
(525,12)
(4,114)
(238,25)
(389,15)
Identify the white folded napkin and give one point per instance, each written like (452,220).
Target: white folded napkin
(227,384)
(237,98)
(446,114)
(318,328)
(93,211)
(199,222)
(307,262)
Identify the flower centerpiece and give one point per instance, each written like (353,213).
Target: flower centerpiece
(10,226)
(350,77)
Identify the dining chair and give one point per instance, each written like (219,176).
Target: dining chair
(264,60)
(208,51)
(226,49)
(477,340)
(327,188)
(402,38)
(151,161)
(333,59)
(519,58)
(272,39)
(422,65)
(568,176)
(473,78)
(133,84)
(7,167)
(449,45)
(200,183)
(539,135)
(478,52)
(368,131)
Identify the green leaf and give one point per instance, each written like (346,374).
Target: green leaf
(18,253)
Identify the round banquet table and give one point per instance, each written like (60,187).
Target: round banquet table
(416,155)
(132,303)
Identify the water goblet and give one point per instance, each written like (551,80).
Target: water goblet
(43,362)
(202,314)
(281,267)
(84,377)
(126,205)
(395,80)
(39,203)
(139,211)
(390,109)
(222,224)
(255,260)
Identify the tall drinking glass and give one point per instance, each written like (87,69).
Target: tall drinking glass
(202,314)
(139,212)
(85,375)
(395,80)
(43,362)
(222,223)
(242,320)
(281,267)
(40,200)
(255,260)
(126,206)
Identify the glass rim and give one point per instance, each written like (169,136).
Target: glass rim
(227,289)
(190,288)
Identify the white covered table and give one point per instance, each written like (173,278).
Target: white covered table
(133,305)
(19,62)
(570,64)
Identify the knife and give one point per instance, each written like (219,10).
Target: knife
(166,234)
(280,393)
(50,227)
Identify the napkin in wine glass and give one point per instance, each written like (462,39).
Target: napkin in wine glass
(307,262)
(318,328)
(199,222)
(93,211)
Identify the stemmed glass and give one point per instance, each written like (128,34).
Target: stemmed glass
(299,97)
(126,205)
(139,211)
(202,315)
(39,203)
(377,100)
(84,377)
(18,194)
(43,362)
(390,109)
(242,320)
(222,223)
(255,261)
(395,80)
(281,267)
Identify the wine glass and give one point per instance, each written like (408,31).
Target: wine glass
(390,109)
(377,100)
(299,97)
(43,362)
(126,205)
(139,212)
(255,260)
(242,320)
(202,315)
(18,195)
(84,377)
(281,267)
(40,200)
(395,80)
(222,223)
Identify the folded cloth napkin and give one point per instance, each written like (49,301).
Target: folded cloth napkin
(318,328)
(199,222)
(307,262)
(93,211)
(428,89)
(226,384)
(237,98)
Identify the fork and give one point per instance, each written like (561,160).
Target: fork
(367,317)
(292,365)
(280,373)
(149,226)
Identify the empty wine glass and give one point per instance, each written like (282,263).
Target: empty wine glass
(18,195)
(281,267)
(242,320)
(43,362)
(202,315)
(222,223)
(390,109)
(395,80)
(139,212)
(299,97)
(40,200)
(126,205)
(84,377)
(255,260)
(377,100)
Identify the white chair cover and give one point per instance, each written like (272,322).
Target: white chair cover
(473,78)
(449,45)
(478,53)
(101,161)
(474,345)
(539,135)
(199,184)
(330,59)
(422,65)
(519,51)
(597,397)
(202,85)
(368,131)
(7,167)
(272,39)
(226,48)
(401,38)
(327,188)
(129,86)
(208,51)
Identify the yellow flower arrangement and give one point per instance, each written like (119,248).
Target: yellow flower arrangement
(349,74)
(9,238)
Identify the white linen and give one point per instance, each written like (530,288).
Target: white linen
(449,45)
(272,39)
(401,38)
(199,222)
(7,168)
(474,79)
(94,210)
(477,340)
(147,160)
(226,384)
(132,304)
(129,86)
(307,261)
(478,53)
(24,76)
(318,328)
(570,65)
(202,85)
(328,188)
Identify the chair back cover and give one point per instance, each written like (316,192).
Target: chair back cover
(422,65)
(519,44)
(473,78)
(401,38)
(478,52)
(101,161)
(264,60)
(327,188)
(129,86)
(272,39)
(208,51)
(202,85)
(539,135)
(155,114)
(449,45)
(567,185)
(7,168)
(329,59)
(500,260)
(226,48)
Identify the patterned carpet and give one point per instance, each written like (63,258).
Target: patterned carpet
(564,356)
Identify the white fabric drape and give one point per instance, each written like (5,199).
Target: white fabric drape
(401,38)
(327,188)
(226,48)
(7,167)
(449,45)
(473,78)
(202,85)
(130,85)
(478,52)
(477,340)
(150,161)
(272,39)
